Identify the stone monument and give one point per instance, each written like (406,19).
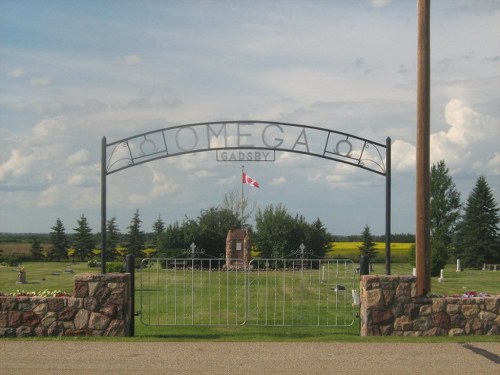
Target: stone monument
(238,249)
(21,277)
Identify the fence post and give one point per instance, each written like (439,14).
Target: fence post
(130,268)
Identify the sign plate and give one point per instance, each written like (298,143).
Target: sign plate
(246,155)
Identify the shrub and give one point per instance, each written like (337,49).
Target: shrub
(115,267)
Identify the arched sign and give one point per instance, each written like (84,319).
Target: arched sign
(248,141)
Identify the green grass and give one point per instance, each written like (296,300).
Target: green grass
(41,276)
(455,282)
(275,297)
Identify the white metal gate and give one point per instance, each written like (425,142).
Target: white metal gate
(270,292)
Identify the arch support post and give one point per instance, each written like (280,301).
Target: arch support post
(388,207)
(103,205)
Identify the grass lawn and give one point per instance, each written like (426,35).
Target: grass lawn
(51,275)
(42,275)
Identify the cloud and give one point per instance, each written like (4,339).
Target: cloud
(77,180)
(380,3)
(469,135)
(154,100)
(131,59)
(16,73)
(50,196)
(40,81)
(466,125)
(16,166)
(77,158)
(278,181)
(494,164)
(403,156)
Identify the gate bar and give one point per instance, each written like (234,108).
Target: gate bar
(103,205)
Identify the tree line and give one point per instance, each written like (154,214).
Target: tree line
(469,230)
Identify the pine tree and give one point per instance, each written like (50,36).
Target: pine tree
(368,246)
(112,237)
(136,237)
(444,214)
(158,229)
(83,241)
(36,249)
(59,242)
(478,237)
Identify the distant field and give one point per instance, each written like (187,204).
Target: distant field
(399,250)
(15,248)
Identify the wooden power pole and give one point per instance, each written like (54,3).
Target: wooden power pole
(423,256)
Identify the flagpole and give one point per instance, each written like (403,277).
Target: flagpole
(242,174)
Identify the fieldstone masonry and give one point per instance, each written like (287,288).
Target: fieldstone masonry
(389,306)
(99,307)
(238,249)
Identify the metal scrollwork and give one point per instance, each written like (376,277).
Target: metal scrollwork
(337,148)
(144,144)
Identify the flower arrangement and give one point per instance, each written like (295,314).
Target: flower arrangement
(472,293)
(40,293)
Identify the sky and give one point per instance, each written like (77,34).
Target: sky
(72,72)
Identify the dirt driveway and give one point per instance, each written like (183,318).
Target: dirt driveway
(86,358)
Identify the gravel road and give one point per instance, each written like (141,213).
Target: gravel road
(87,358)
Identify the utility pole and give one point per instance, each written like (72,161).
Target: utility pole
(423,256)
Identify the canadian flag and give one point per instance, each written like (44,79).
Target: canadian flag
(246,179)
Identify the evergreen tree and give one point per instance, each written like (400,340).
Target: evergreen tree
(173,240)
(158,229)
(368,246)
(136,237)
(317,238)
(36,249)
(112,237)
(444,214)
(478,237)
(59,242)
(84,240)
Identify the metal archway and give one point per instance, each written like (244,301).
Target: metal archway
(249,136)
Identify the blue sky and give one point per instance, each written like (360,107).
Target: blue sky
(73,71)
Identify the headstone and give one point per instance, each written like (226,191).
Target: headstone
(459,268)
(21,277)
(355,297)
(441,277)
